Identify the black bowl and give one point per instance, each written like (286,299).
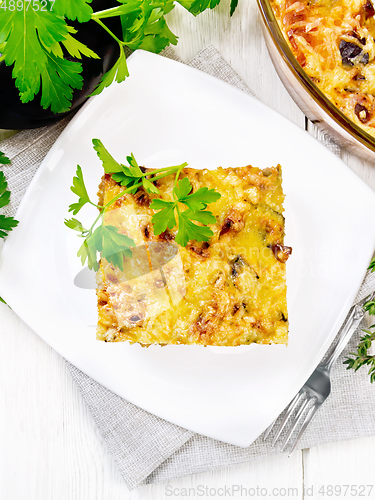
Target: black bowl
(16,115)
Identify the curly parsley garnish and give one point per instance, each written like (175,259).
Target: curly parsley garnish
(6,223)
(114,246)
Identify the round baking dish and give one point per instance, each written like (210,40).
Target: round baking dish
(314,104)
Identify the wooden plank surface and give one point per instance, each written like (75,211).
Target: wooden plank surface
(50,448)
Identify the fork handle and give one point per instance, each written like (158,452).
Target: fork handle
(356,315)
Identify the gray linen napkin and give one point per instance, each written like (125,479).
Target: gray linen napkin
(147,448)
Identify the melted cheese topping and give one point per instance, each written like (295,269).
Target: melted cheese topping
(227,292)
(333,40)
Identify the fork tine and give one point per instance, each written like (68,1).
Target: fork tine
(297,418)
(289,411)
(308,419)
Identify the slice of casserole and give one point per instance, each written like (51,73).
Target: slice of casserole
(229,291)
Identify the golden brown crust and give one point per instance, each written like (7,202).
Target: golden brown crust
(228,291)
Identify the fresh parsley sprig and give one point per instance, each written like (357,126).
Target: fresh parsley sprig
(31,40)
(106,239)
(131,176)
(362,357)
(7,224)
(102,237)
(35,34)
(128,176)
(196,204)
(98,238)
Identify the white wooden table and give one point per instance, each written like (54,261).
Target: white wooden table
(50,448)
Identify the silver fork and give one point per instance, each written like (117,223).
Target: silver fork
(318,387)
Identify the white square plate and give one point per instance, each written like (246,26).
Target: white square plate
(167,113)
